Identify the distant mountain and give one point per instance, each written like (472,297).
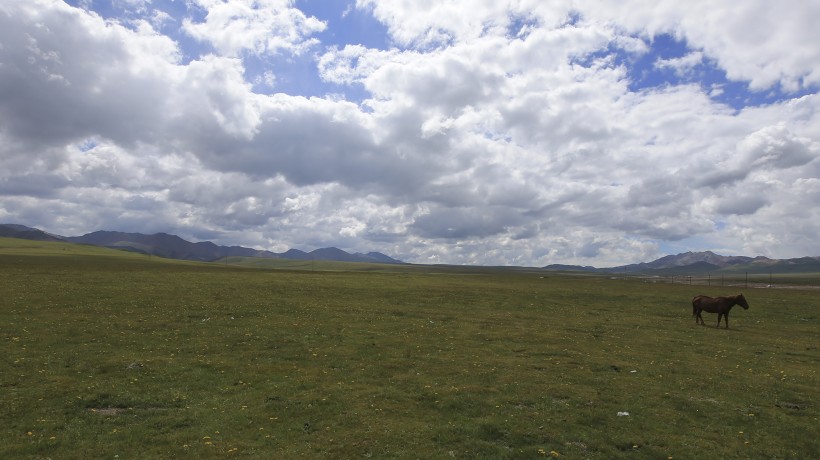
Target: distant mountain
(709,258)
(26,233)
(570,268)
(174,247)
(379,257)
(295,254)
(338,255)
(798,265)
(165,245)
(692,263)
(333,254)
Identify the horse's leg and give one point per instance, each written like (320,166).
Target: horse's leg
(727,319)
(719,315)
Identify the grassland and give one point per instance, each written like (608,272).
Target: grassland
(106,354)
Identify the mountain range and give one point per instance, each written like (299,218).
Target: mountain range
(26,233)
(694,263)
(174,247)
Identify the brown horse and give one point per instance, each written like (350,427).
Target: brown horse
(719,305)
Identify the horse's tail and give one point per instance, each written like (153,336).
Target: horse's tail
(695,302)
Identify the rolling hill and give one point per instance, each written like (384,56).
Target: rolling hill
(174,247)
(26,233)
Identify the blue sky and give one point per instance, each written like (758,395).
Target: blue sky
(646,71)
(473,132)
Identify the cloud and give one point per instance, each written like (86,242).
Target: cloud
(76,75)
(463,223)
(39,185)
(745,204)
(682,66)
(433,24)
(776,147)
(507,133)
(258,27)
(747,40)
(762,152)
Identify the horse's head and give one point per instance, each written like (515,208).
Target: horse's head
(742,302)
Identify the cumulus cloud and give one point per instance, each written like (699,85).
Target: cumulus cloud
(776,147)
(682,65)
(431,24)
(75,74)
(747,40)
(509,132)
(261,27)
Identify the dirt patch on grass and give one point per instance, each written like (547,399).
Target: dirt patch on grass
(107,411)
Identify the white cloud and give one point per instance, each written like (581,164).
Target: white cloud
(160,18)
(431,24)
(747,39)
(762,42)
(506,133)
(776,147)
(267,78)
(255,26)
(682,65)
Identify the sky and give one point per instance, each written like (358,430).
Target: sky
(485,132)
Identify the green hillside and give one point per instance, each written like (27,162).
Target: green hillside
(11,247)
(17,246)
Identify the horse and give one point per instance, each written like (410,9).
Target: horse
(719,305)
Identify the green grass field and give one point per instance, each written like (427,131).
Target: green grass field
(105,354)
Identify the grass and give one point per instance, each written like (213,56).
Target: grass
(105,354)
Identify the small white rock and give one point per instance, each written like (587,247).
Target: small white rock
(623,414)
